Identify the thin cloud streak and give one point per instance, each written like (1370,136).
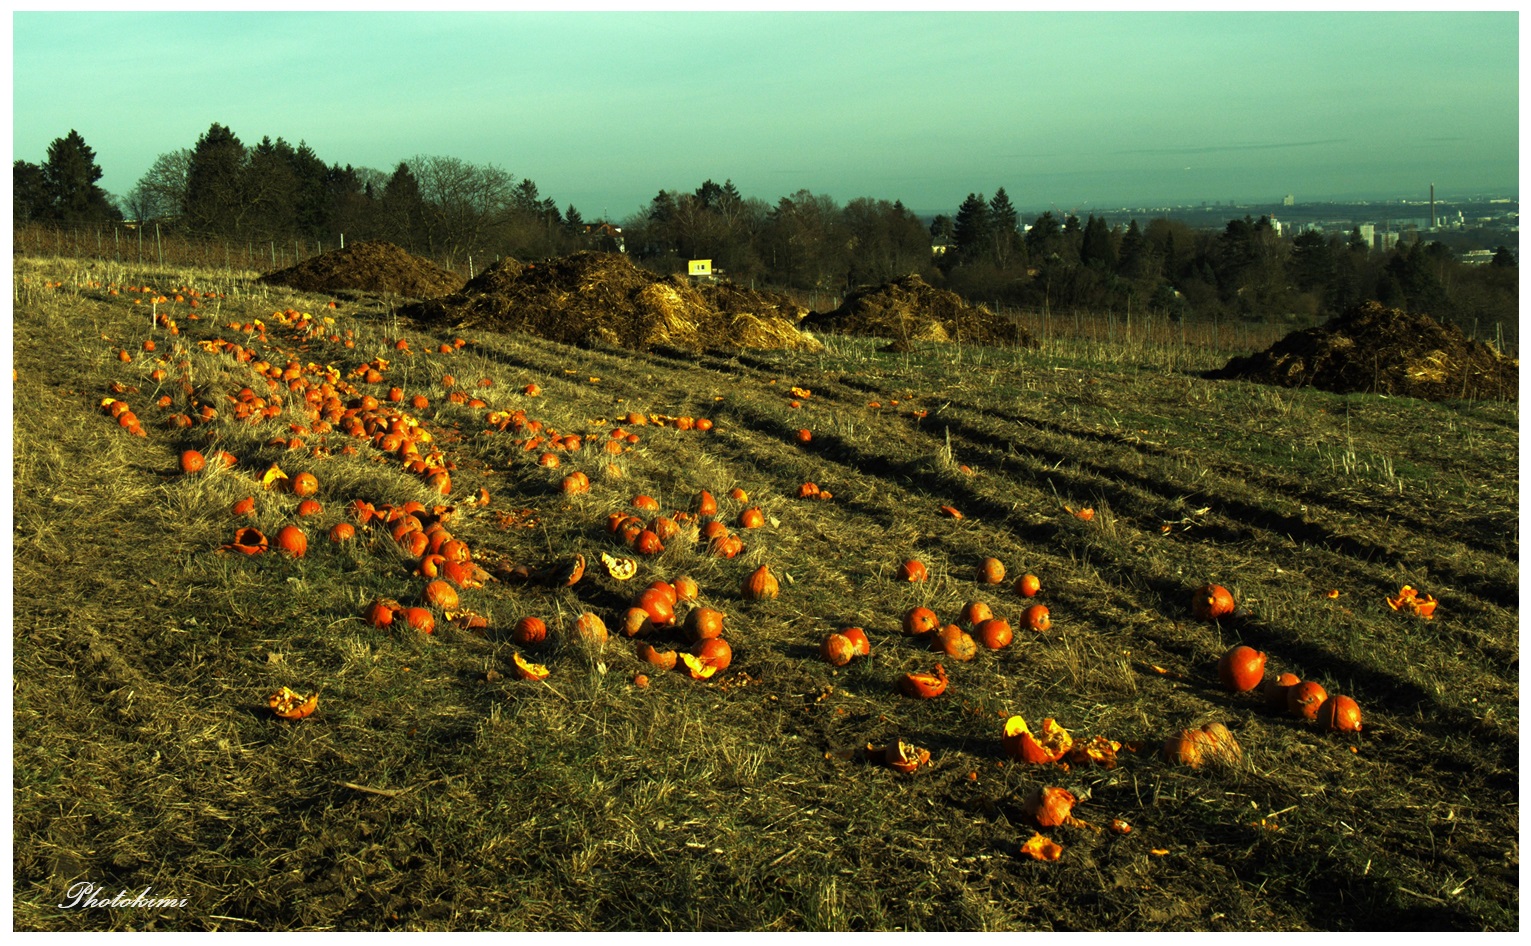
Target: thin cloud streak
(1214,149)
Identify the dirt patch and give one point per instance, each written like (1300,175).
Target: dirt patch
(910,311)
(1374,349)
(602,298)
(369,266)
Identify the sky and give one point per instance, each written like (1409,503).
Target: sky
(602,109)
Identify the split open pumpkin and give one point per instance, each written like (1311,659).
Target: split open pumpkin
(1050,745)
(924,686)
(289,704)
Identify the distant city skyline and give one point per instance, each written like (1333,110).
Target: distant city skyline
(604,110)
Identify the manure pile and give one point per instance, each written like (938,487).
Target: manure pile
(368,266)
(910,311)
(1374,349)
(602,298)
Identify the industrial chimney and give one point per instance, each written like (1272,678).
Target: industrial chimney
(1432,205)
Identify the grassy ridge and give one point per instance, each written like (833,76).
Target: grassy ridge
(434,790)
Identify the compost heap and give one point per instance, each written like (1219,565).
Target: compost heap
(368,266)
(1378,350)
(602,298)
(909,311)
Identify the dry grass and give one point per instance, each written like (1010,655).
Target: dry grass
(431,793)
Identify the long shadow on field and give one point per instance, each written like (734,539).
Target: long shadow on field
(1376,684)
(1298,530)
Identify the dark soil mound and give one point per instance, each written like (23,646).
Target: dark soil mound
(369,266)
(909,311)
(591,298)
(1374,349)
(497,278)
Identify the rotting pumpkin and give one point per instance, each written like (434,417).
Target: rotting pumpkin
(1019,742)
(924,686)
(289,704)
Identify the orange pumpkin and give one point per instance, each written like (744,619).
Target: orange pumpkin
(919,621)
(381,611)
(685,588)
(1241,669)
(636,622)
(1304,699)
(913,570)
(703,623)
(761,584)
(420,619)
(529,630)
(838,649)
(1028,585)
(292,540)
(715,651)
(305,484)
(955,643)
(1036,618)
(192,461)
(1276,689)
(975,613)
(589,627)
(991,571)
(858,637)
(441,594)
(995,633)
(1211,743)
(1210,602)
(659,606)
(1340,714)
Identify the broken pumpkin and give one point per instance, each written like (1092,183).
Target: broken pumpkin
(1019,742)
(924,686)
(528,670)
(288,704)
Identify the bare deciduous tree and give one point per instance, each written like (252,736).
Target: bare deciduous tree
(463,204)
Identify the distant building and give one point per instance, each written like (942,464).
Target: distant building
(1478,257)
(604,236)
(1288,201)
(1368,233)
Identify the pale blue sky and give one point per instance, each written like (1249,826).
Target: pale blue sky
(603,109)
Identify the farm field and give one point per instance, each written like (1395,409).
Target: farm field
(433,788)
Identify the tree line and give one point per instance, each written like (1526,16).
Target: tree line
(452,210)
